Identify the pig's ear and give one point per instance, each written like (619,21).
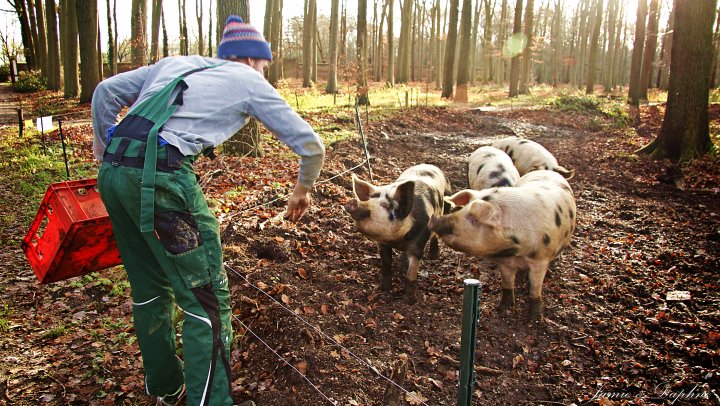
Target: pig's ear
(404,196)
(485,213)
(459,199)
(362,189)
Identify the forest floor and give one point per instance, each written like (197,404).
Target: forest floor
(615,328)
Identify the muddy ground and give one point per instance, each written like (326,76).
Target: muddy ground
(306,293)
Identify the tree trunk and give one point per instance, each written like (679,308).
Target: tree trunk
(556,40)
(199,17)
(590,83)
(362,89)
(502,61)
(246,142)
(331,87)
(391,44)
(42,38)
(138,33)
(378,55)
(210,30)
(53,61)
(649,50)
(155,31)
(26,14)
(515,61)
(528,51)
(69,45)
(636,64)
(474,42)
(314,46)
(664,71)
(404,45)
(166,46)
(25,32)
(184,28)
(308,32)
(487,43)
(448,66)
(276,43)
(685,133)
(463,76)
(86,12)
(610,63)
(112,52)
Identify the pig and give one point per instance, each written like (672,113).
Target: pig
(396,216)
(489,167)
(530,156)
(520,227)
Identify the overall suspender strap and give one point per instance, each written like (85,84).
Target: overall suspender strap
(158,109)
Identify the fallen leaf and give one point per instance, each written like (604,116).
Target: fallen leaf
(302,272)
(415,398)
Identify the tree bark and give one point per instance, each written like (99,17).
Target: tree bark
(649,50)
(391,45)
(155,31)
(53,61)
(276,68)
(199,16)
(138,33)
(362,89)
(331,87)
(112,49)
(404,45)
(528,51)
(86,13)
(610,63)
(308,32)
(463,76)
(515,61)
(69,45)
(636,64)
(685,133)
(42,38)
(448,66)
(487,43)
(590,83)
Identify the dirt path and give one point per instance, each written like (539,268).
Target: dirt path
(609,327)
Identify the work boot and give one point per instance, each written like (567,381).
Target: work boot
(172,399)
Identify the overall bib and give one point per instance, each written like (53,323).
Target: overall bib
(169,242)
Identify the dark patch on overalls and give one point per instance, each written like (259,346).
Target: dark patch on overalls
(177,231)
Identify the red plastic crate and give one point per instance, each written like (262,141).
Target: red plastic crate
(71,235)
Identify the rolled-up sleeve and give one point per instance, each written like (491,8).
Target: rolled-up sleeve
(272,110)
(109,97)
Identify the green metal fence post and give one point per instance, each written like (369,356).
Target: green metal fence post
(470,316)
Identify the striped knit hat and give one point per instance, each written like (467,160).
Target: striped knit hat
(242,40)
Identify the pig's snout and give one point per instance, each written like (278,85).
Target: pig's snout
(351,206)
(440,225)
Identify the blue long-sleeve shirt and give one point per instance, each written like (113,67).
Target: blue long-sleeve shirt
(216,104)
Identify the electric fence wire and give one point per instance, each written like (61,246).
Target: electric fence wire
(327,337)
(282,197)
(280,357)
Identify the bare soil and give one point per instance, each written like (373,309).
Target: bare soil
(311,327)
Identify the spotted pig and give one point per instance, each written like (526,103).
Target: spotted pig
(396,217)
(489,167)
(528,155)
(521,227)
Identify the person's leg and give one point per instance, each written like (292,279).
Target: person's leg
(189,235)
(153,308)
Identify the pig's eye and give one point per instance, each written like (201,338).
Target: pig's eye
(455,209)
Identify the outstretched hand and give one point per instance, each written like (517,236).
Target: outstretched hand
(298,203)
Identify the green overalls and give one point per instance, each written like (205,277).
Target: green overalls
(170,246)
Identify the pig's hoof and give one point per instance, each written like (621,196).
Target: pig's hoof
(535,310)
(507,301)
(411,293)
(434,253)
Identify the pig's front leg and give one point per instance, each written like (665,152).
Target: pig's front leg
(434,252)
(507,281)
(411,278)
(385,267)
(536,275)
